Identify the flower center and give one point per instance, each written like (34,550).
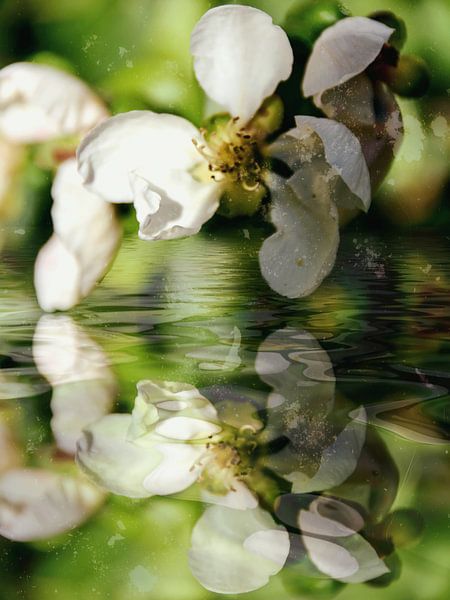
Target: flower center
(231,152)
(227,460)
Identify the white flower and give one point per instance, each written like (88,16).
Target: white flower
(336,75)
(343,51)
(85,240)
(39,103)
(176,175)
(83,385)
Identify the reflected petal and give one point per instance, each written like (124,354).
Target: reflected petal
(37,504)
(158,401)
(178,470)
(39,103)
(295,260)
(338,460)
(342,51)
(235,551)
(349,558)
(113,462)
(240,57)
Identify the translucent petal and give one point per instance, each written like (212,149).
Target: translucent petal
(236,551)
(295,260)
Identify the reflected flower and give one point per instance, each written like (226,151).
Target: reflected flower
(177,176)
(84,386)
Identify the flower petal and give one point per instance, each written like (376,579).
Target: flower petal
(161,218)
(178,470)
(236,551)
(106,455)
(147,158)
(338,460)
(342,51)
(37,504)
(57,276)
(302,252)
(343,152)
(240,57)
(186,428)
(86,224)
(39,103)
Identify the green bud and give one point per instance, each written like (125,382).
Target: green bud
(306,20)
(270,116)
(52,60)
(411,77)
(398,38)
(394,565)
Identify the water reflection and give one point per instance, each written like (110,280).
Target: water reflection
(248,361)
(47,496)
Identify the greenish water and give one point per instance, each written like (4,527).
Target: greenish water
(197,311)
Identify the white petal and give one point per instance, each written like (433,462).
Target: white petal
(240,57)
(106,455)
(37,504)
(342,151)
(302,252)
(178,470)
(147,158)
(331,558)
(338,460)
(161,218)
(86,224)
(235,551)
(343,51)
(57,277)
(39,103)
